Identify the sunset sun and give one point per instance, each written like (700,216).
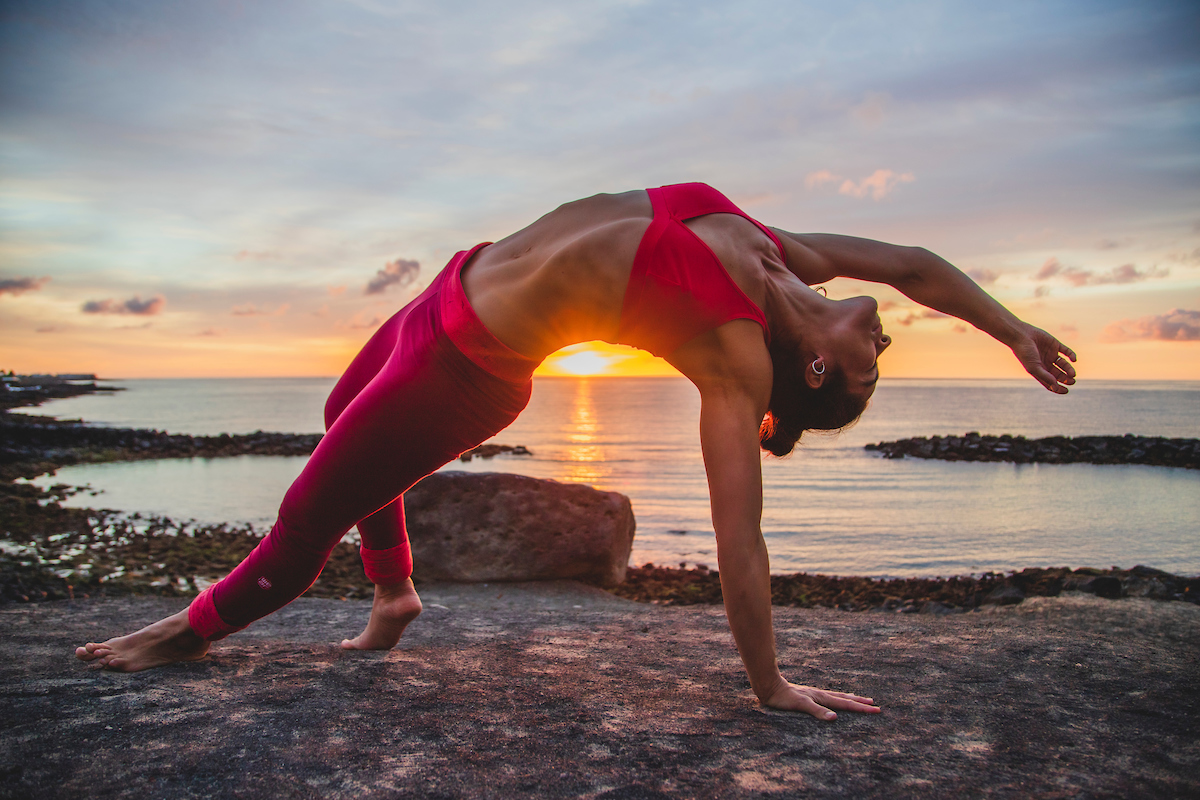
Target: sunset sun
(601,359)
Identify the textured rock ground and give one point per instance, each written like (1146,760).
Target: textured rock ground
(558,690)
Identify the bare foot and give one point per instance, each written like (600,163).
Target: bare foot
(395,606)
(164,642)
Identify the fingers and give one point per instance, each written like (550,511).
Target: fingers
(819,703)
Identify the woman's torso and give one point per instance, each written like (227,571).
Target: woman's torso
(563,279)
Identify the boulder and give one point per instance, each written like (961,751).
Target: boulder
(480,527)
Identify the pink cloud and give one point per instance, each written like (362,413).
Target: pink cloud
(1048,270)
(984,277)
(820,178)
(878,184)
(1177,325)
(134,305)
(925,313)
(15,286)
(1126,273)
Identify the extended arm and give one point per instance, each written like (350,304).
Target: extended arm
(729,419)
(935,283)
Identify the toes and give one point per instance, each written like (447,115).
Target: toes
(91,651)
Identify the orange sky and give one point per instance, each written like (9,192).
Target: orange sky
(192,191)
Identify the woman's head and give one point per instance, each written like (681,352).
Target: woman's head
(824,383)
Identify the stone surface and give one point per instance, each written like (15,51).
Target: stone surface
(560,691)
(475,527)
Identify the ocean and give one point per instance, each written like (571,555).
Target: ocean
(831,508)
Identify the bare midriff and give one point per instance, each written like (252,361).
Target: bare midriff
(562,279)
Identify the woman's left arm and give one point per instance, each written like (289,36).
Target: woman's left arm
(729,438)
(935,283)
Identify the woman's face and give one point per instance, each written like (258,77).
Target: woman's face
(857,342)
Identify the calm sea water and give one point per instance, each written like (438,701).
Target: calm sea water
(832,507)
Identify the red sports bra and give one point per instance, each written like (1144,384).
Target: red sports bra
(678,288)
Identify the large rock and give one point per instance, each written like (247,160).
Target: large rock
(475,527)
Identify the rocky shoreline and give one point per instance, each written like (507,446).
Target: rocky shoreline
(1154,451)
(55,552)
(700,585)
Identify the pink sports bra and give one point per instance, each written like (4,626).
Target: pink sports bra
(678,288)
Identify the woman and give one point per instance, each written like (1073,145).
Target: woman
(679,271)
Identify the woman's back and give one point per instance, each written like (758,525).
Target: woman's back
(563,279)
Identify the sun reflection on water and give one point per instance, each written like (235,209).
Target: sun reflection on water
(585,461)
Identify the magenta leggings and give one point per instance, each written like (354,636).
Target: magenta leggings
(430,384)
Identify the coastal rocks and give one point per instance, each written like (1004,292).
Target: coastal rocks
(668,586)
(32,390)
(492,450)
(31,444)
(498,527)
(1128,449)
(1004,596)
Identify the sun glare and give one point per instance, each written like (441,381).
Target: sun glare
(601,359)
(585,363)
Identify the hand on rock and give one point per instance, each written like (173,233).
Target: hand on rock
(818,702)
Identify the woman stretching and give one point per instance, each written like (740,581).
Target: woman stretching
(678,271)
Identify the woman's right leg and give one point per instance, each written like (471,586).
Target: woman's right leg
(424,407)
(387,559)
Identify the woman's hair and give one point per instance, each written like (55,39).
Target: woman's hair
(796,407)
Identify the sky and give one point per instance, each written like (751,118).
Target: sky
(249,189)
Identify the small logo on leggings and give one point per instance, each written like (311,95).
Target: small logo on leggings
(264,583)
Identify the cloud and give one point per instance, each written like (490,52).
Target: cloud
(1048,270)
(16,286)
(1126,273)
(402,271)
(47,329)
(134,305)
(820,178)
(334,291)
(1069,329)
(982,276)
(925,313)
(251,310)
(211,332)
(1177,325)
(878,184)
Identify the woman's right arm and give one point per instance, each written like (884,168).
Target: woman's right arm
(935,283)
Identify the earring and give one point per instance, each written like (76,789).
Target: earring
(820,371)
(824,292)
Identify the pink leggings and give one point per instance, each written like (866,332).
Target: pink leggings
(430,384)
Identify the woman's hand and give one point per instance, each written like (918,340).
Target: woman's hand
(1045,358)
(818,702)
